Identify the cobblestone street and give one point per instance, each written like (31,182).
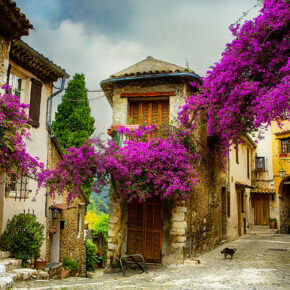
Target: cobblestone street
(262,261)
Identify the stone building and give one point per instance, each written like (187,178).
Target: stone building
(65,224)
(164,231)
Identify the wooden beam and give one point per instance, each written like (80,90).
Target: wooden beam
(147,94)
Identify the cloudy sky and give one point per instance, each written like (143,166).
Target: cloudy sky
(101,37)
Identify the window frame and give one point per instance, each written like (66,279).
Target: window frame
(259,168)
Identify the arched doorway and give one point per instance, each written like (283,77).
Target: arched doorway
(284,193)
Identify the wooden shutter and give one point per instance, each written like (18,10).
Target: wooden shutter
(149,112)
(35,100)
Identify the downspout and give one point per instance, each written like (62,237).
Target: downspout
(49,102)
(48,119)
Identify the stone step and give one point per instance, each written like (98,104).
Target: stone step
(10,264)
(4,255)
(6,282)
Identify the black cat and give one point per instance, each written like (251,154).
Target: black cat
(228,251)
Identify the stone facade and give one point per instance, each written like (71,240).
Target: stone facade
(190,226)
(70,225)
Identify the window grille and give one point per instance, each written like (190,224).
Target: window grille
(16,186)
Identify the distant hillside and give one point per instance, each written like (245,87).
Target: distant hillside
(99,202)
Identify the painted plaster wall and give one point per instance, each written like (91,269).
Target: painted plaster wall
(36,146)
(276,150)
(277,161)
(266,179)
(238,175)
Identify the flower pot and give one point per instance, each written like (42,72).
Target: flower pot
(273,225)
(40,265)
(52,230)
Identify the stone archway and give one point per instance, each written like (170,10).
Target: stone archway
(284,193)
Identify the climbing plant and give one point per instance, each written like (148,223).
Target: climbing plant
(13,133)
(249,87)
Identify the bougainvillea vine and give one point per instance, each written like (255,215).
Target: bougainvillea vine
(13,132)
(250,86)
(140,168)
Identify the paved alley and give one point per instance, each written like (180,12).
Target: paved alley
(262,261)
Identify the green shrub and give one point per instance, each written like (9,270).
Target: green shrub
(274,220)
(23,237)
(91,251)
(101,225)
(70,264)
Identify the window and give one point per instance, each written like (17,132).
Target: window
(149,112)
(35,100)
(260,164)
(79,225)
(285,146)
(228,204)
(15,83)
(248,163)
(16,186)
(237,153)
(242,201)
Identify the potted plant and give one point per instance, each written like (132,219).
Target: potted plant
(273,223)
(52,230)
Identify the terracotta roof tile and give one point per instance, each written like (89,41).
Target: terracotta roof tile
(149,66)
(13,23)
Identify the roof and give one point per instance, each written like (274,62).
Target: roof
(147,66)
(284,132)
(62,206)
(145,70)
(28,58)
(263,190)
(13,23)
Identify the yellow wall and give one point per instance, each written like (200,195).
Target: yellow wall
(276,150)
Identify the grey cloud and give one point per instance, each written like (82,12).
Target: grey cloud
(129,32)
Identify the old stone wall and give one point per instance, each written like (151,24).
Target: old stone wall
(72,240)
(121,105)
(204,214)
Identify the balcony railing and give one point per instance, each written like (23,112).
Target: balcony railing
(162,131)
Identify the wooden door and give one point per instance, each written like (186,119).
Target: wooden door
(261,209)
(239,213)
(144,234)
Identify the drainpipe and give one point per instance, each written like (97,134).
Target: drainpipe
(49,102)
(48,119)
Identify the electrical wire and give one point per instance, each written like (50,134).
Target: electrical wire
(87,91)
(88,100)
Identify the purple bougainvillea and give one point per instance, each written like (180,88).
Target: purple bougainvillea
(249,87)
(139,168)
(13,132)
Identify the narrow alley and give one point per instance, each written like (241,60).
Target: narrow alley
(262,261)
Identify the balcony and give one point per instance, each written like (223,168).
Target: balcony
(162,131)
